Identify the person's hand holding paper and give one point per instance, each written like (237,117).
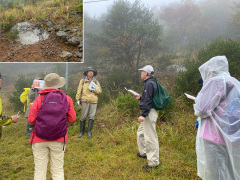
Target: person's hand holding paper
(92,86)
(190,96)
(135,94)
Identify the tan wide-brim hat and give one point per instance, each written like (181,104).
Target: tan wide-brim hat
(53,80)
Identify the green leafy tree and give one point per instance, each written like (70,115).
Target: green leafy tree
(129,35)
(21,83)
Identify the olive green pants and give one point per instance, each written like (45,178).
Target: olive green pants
(88,110)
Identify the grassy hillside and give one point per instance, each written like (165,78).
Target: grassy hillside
(63,15)
(111,153)
(59,11)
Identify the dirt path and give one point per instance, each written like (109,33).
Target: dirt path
(44,51)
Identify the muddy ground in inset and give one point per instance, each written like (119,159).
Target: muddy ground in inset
(44,51)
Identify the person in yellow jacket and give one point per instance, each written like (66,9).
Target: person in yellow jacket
(5,120)
(87,92)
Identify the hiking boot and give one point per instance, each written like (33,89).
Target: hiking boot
(82,128)
(139,155)
(147,167)
(90,125)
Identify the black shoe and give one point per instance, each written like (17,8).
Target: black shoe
(139,155)
(148,167)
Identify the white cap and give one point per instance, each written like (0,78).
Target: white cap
(148,69)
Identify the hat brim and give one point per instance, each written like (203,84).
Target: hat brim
(59,85)
(93,70)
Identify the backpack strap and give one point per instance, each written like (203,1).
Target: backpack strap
(82,89)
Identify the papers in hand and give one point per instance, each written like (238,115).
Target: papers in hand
(92,86)
(131,91)
(189,96)
(38,84)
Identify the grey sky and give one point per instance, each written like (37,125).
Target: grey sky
(98,7)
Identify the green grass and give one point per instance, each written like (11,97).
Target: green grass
(111,153)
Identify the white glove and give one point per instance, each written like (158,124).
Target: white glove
(78,103)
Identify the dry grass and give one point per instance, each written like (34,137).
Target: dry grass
(58,11)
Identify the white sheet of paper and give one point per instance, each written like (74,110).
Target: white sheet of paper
(131,91)
(189,96)
(92,86)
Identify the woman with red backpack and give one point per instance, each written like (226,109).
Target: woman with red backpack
(50,113)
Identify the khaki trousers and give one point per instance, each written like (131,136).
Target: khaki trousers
(147,138)
(45,151)
(88,109)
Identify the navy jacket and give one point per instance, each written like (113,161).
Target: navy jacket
(149,91)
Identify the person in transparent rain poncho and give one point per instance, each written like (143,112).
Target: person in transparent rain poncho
(217,106)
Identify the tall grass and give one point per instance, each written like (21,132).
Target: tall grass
(111,153)
(54,10)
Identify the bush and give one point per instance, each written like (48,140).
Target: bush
(10,4)
(188,81)
(127,104)
(166,114)
(72,94)
(79,7)
(112,85)
(12,34)
(20,83)
(8,24)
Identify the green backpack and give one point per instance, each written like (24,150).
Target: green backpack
(161,99)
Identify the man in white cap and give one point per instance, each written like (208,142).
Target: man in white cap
(5,120)
(147,138)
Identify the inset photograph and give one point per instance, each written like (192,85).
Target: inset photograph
(41,31)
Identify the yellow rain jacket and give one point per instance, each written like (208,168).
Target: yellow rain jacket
(24,98)
(4,120)
(85,95)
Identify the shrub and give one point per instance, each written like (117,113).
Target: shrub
(20,83)
(187,81)
(127,104)
(12,34)
(79,7)
(8,24)
(166,114)
(10,4)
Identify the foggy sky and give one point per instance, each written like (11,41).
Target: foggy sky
(95,8)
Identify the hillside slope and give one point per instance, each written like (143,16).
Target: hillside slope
(52,16)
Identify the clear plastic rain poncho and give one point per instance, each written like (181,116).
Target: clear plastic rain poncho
(217,106)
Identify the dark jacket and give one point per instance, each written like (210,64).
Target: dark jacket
(149,91)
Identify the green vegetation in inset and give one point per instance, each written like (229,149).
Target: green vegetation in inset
(6,26)
(79,7)
(12,34)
